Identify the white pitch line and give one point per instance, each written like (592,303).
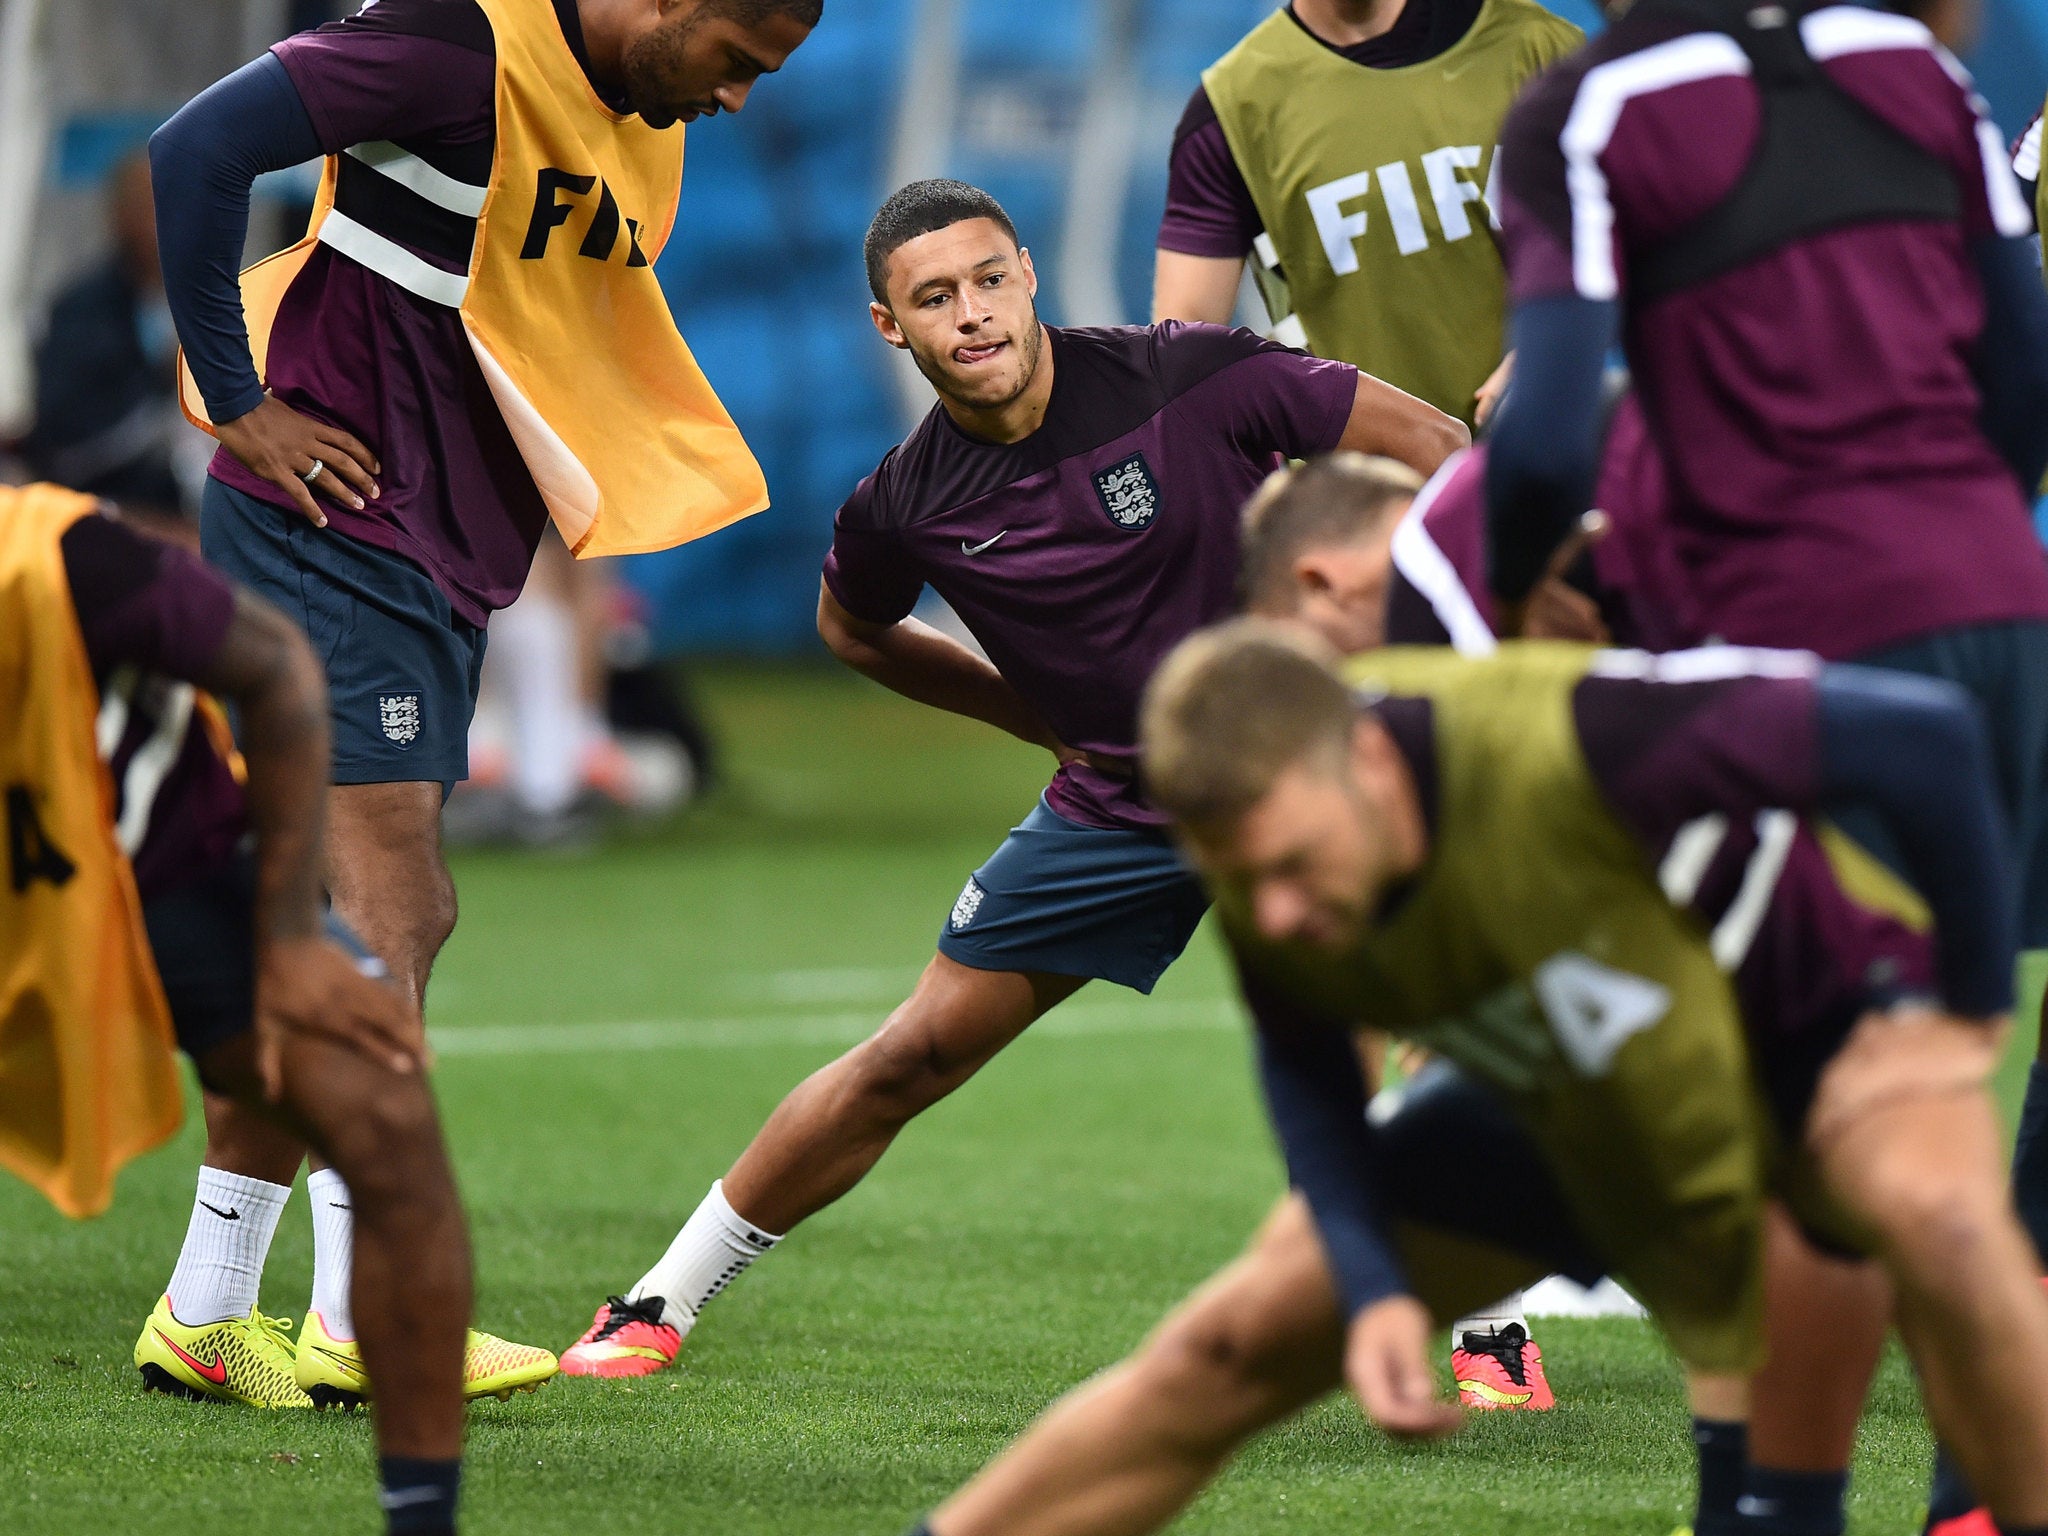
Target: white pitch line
(1136,1017)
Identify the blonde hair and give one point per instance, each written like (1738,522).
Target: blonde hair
(1336,499)
(1230,710)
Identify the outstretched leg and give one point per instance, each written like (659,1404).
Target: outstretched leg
(819,1143)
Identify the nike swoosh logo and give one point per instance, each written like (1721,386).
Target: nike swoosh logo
(217,1373)
(353,1367)
(336,1205)
(975,549)
(230,1214)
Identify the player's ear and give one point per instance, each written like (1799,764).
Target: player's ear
(1030,273)
(1313,576)
(885,322)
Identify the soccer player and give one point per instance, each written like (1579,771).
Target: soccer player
(1074,495)
(1349,146)
(1839,333)
(151,890)
(1358,552)
(1659,898)
(450,358)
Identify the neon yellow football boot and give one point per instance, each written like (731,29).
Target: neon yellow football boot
(242,1360)
(330,1370)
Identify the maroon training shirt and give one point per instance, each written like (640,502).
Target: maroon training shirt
(357,351)
(154,616)
(1084,553)
(1816,407)
(1439,593)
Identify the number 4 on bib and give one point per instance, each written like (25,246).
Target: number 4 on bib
(1595,1009)
(30,853)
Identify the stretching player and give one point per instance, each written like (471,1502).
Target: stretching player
(1074,496)
(1853,479)
(446,361)
(135,906)
(1584,877)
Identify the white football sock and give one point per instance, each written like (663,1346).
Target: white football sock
(715,1245)
(220,1268)
(1494,1318)
(334,1247)
(535,642)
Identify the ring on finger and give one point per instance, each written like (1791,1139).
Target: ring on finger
(309,476)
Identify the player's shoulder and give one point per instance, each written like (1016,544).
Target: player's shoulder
(462,23)
(1181,354)
(1538,27)
(1640,53)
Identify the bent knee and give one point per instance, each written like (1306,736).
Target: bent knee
(1244,1377)
(909,1068)
(385,1132)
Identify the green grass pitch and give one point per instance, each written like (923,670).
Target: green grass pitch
(613,1029)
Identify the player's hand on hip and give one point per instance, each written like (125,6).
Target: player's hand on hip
(302,457)
(313,988)
(1386,1365)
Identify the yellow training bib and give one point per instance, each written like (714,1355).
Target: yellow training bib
(622,433)
(87,1075)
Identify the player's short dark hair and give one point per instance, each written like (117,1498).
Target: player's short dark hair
(751,13)
(921,208)
(1233,708)
(1336,499)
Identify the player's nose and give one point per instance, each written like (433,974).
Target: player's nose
(733,97)
(1279,910)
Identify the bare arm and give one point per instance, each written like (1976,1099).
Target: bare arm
(915,660)
(304,982)
(1389,421)
(1195,287)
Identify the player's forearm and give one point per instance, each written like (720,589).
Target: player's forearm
(267,670)
(202,164)
(917,661)
(1315,1093)
(1545,450)
(1913,751)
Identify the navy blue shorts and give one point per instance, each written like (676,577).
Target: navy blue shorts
(402,666)
(1073,900)
(203,934)
(2005,668)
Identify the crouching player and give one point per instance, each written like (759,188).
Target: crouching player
(1585,878)
(176,896)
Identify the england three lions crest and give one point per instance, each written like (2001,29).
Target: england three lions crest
(399,715)
(1128,493)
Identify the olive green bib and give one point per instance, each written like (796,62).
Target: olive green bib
(1537,951)
(1372,185)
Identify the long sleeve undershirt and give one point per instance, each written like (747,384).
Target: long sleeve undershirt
(202,164)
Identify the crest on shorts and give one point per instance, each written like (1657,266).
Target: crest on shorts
(1128,492)
(968,904)
(399,715)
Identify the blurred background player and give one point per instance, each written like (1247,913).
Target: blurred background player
(368,481)
(1854,480)
(572,719)
(107,419)
(1349,146)
(207,884)
(1073,495)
